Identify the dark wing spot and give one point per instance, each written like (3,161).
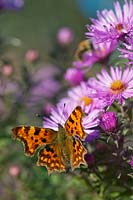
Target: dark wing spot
(74,142)
(26,129)
(47,148)
(78,108)
(72,131)
(68,125)
(55,155)
(37,131)
(16,129)
(36,140)
(43,140)
(71,120)
(31,137)
(45,133)
(74,112)
(51,150)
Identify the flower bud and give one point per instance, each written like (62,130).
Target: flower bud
(65,36)
(74,76)
(31,55)
(14,170)
(131,161)
(7,69)
(108,121)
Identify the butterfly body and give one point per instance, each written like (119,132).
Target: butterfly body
(60,150)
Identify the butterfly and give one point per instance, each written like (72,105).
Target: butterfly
(59,150)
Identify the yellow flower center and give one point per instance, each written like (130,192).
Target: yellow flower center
(86,100)
(117,86)
(119,27)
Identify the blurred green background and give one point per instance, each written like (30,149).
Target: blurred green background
(35,26)
(37,23)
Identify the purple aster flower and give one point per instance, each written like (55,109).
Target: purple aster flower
(92,136)
(108,121)
(118,85)
(99,53)
(11,4)
(112,25)
(46,88)
(74,76)
(47,108)
(131,161)
(44,84)
(127,50)
(84,96)
(8,88)
(61,112)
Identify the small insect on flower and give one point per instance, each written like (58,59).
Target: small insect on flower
(84,46)
(93,53)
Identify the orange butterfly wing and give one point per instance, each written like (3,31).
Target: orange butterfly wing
(33,137)
(79,151)
(74,128)
(51,158)
(73,124)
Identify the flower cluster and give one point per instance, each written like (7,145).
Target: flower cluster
(100,81)
(106,33)
(105,98)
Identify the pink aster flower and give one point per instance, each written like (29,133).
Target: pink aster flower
(61,112)
(84,96)
(99,53)
(112,25)
(116,85)
(44,85)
